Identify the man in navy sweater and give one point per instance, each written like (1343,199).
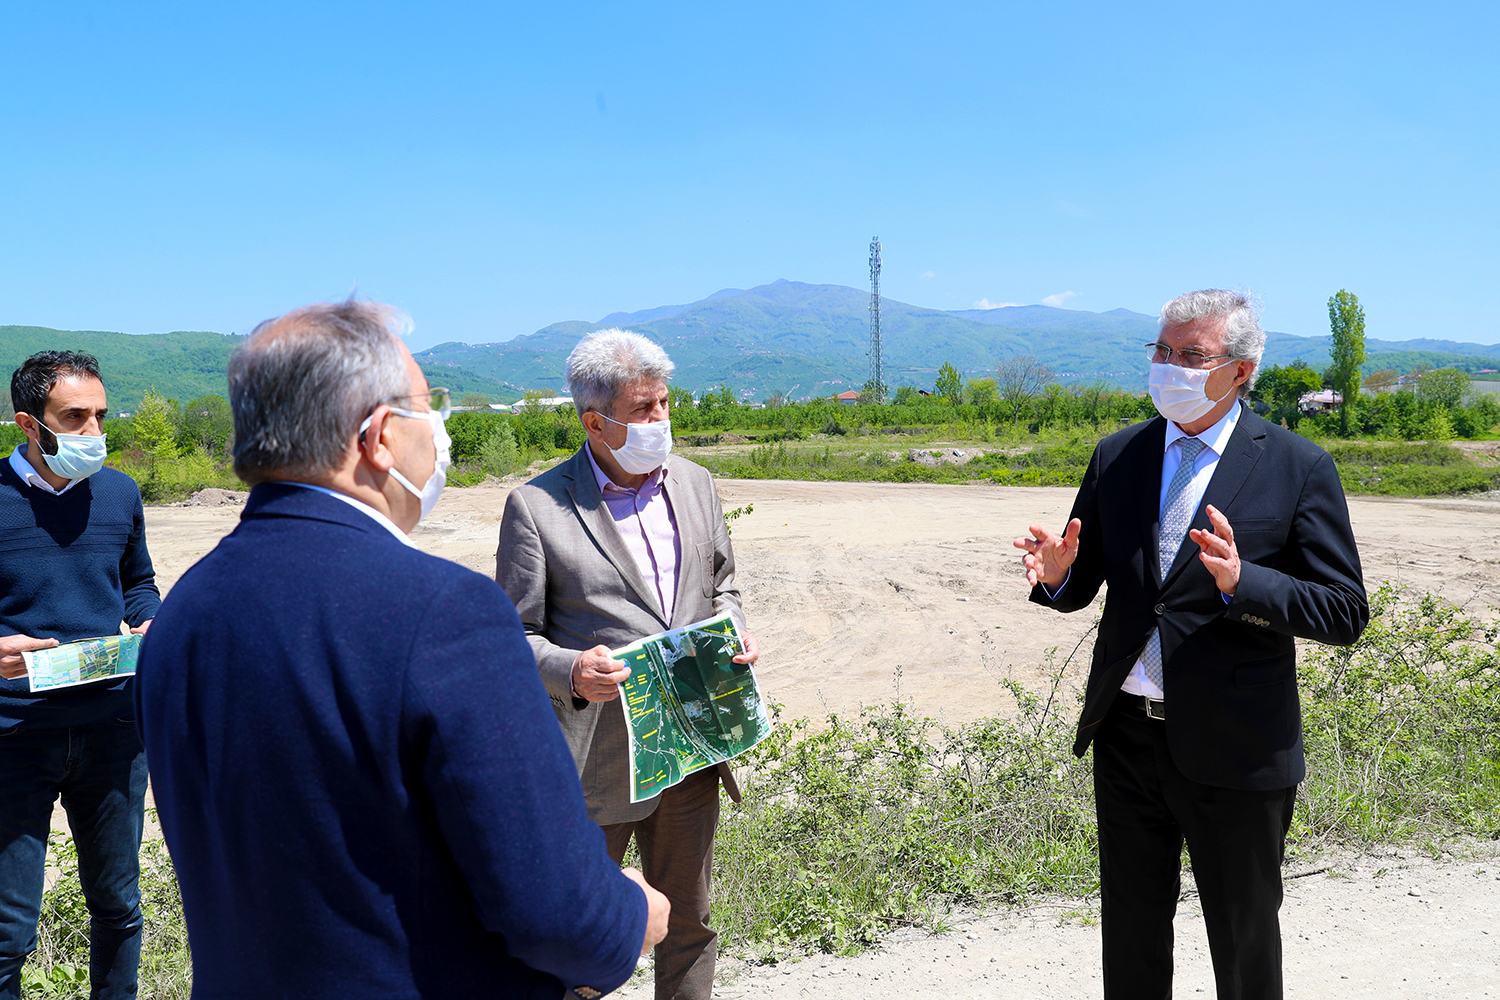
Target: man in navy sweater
(73,565)
(357,769)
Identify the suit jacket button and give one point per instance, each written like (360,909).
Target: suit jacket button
(1161,609)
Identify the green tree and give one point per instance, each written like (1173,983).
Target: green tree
(1438,426)
(155,429)
(1282,389)
(950,384)
(1347,322)
(907,395)
(982,390)
(872,392)
(207,423)
(1445,386)
(499,454)
(679,400)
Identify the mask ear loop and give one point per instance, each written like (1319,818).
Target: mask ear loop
(1232,388)
(56,442)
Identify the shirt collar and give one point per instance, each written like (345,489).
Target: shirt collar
(23,468)
(1216,438)
(607,484)
(360,506)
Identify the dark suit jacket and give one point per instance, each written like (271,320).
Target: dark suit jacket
(563,562)
(360,778)
(1229,672)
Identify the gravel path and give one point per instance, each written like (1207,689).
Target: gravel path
(1394,927)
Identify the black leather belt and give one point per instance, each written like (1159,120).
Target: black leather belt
(1154,708)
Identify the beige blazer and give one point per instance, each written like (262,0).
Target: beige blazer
(562,561)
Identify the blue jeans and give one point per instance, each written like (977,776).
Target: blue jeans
(100,772)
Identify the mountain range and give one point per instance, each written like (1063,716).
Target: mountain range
(805,340)
(813,340)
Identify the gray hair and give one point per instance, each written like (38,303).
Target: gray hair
(1244,340)
(301,384)
(606,361)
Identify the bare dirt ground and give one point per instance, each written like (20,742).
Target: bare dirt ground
(864,592)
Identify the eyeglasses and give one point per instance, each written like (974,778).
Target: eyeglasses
(1161,354)
(440,400)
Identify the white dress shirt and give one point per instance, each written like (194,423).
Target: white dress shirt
(22,467)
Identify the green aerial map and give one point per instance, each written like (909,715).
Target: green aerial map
(82,662)
(687,704)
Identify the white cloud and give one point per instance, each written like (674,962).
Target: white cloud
(987,304)
(929,274)
(1056,301)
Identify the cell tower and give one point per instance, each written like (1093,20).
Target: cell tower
(877,366)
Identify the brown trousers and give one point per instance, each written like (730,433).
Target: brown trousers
(676,844)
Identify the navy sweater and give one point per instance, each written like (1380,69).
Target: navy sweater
(71,567)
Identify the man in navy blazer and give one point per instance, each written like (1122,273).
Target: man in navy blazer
(358,772)
(1222,538)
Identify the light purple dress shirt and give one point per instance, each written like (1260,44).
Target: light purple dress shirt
(649,528)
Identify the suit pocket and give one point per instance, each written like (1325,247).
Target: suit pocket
(1250,524)
(1263,673)
(704,560)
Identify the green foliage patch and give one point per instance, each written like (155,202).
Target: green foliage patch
(1403,728)
(60,965)
(1410,470)
(889,819)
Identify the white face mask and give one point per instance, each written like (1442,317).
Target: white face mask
(78,455)
(1179,392)
(646,446)
(441,442)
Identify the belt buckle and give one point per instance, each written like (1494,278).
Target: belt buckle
(1154,708)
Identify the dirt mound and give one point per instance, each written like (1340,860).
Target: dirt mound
(215,497)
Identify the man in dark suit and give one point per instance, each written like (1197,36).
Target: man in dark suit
(1222,538)
(357,769)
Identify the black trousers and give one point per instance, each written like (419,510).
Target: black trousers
(1236,840)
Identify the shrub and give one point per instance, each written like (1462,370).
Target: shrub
(60,965)
(1403,728)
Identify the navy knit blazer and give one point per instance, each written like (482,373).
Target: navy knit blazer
(360,777)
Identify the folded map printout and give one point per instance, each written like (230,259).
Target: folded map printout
(82,662)
(687,704)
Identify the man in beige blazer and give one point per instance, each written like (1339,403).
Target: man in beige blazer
(616,543)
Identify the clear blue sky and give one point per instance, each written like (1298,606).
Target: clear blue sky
(493,168)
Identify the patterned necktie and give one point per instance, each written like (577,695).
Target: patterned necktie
(1177,514)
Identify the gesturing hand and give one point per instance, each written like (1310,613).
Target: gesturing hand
(11,648)
(1048,556)
(1218,552)
(596,677)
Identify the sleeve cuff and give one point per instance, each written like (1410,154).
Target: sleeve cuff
(1052,594)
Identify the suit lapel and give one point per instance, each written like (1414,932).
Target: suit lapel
(1240,457)
(1147,490)
(583,490)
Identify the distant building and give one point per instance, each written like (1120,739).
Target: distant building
(848,398)
(1321,401)
(549,403)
